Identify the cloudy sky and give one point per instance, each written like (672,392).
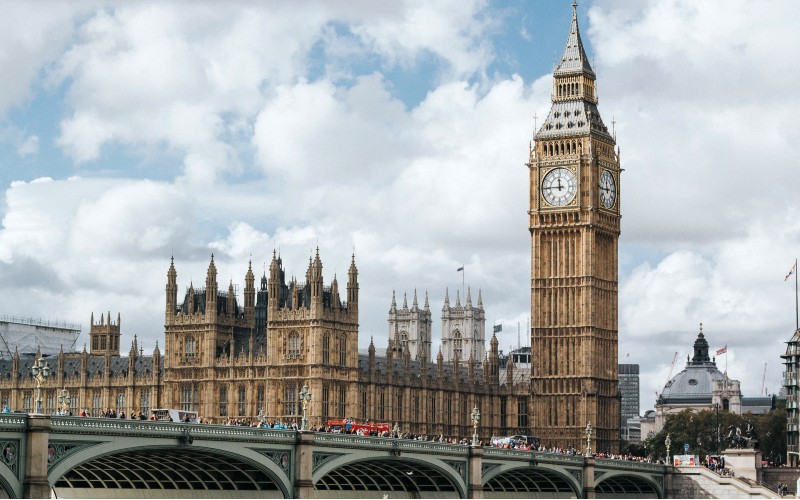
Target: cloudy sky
(130,132)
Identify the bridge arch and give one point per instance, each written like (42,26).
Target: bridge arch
(627,485)
(10,486)
(515,481)
(409,476)
(168,470)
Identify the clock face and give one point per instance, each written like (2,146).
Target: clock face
(559,187)
(608,189)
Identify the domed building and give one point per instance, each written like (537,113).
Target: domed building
(699,386)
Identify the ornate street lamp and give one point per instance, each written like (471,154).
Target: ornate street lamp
(476,419)
(588,433)
(64,401)
(667,442)
(305,398)
(40,370)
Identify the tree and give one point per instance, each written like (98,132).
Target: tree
(771,429)
(706,433)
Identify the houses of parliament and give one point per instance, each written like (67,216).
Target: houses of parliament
(225,357)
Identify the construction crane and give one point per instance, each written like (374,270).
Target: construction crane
(674,358)
(763,379)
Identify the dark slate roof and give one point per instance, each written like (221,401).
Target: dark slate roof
(758,405)
(448,373)
(95,365)
(577,117)
(574,60)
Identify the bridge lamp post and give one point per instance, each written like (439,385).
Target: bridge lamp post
(588,431)
(476,419)
(716,421)
(305,398)
(40,371)
(667,442)
(64,401)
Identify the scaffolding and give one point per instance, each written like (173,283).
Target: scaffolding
(26,335)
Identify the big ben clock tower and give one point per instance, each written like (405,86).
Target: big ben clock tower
(574,224)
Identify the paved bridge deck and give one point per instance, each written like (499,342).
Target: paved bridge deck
(102,458)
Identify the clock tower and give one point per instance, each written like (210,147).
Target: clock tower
(575,226)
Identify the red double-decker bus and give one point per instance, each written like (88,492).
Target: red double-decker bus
(351,426)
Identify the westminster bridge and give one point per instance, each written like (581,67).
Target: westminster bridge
(78,457)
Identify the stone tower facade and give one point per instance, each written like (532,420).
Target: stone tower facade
(463,329)
(410,329)
(575,226)
(201,333)
(104,336)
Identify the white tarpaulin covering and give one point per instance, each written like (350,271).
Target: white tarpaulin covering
(26,335)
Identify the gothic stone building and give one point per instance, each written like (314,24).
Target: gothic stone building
(225,359)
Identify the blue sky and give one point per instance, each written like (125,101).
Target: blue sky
(131,132)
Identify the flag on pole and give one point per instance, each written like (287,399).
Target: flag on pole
(791,271)
(498,328)
(722,351)
(460,269)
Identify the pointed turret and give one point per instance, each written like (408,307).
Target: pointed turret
(700,349)
(510,372)
(494,359)
(458,299)
(415,305)
(471,368)
(211,290)
(314,280)
(250,294)
(231,300)
(446,299)
(171,291)
(156,362)
(480,300)
(393,307)
(427,304)
(352,286)
(469,298)
(574,60)
(405,302)
(335,300)
(274,283)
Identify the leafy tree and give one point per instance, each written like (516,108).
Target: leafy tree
(771,429)
(706,433)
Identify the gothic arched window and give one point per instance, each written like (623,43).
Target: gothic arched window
(242,400)
(457,343)
(190,348)
(294,345)
(223,400)
(342,352)
(326,349)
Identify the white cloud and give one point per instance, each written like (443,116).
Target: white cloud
(29,147)
(32,35)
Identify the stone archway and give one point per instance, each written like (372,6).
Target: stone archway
(168,472)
